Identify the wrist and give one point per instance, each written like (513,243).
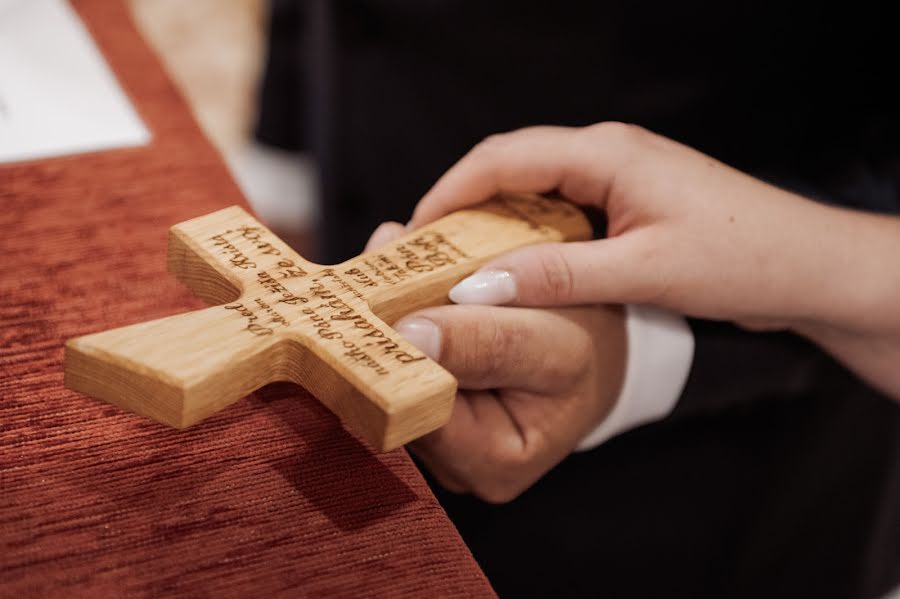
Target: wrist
(855,290)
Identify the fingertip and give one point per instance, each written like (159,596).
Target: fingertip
(530,160)
(488,287)
(385,233)
(438,464)
(416,220)
(429,209)
(423,333)
(536,275)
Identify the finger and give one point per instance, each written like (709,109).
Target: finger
(384,234)
(447,451)
(618,270)
(446,476)
(527,160)
(479,450)
(488,347)
(579,163)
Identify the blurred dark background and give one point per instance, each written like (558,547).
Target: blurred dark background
(387,94)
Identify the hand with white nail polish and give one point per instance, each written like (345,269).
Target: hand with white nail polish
(533,382)
(689,234)
(685,232)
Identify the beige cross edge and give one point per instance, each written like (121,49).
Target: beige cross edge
(277,317)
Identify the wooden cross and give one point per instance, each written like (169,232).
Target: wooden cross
(278,317)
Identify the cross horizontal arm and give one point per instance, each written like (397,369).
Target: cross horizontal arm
(220,254)
(177,370)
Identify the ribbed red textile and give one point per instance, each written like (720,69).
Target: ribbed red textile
(270,497)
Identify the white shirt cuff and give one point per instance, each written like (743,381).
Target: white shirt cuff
(660,354)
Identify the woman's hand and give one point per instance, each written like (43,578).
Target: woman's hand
(686,232)
(533,383)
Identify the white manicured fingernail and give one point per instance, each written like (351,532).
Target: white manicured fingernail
(422,333)
(490,287)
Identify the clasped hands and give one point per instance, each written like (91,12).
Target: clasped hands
(537,338)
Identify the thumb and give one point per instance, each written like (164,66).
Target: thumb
(558,274)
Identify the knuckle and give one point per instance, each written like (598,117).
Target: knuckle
(501,487)
(571,370)
(555,280)
(653,258)
(508,454)
(618,132)
(495,493)
(492,143)
(492,343)
(503,476)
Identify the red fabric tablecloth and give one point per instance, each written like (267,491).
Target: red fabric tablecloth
(271,496)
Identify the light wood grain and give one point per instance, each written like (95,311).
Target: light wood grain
(279,317)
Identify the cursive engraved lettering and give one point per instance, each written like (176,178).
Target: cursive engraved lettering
(433,241)
(336,317)
(252,326)
(275,316)
(238,259)
(379,273)
(358,356)
(289,270)
(413,262)
(360,277)
(323,327)
(533,210)
(255,236)
(392,269)
(267,281)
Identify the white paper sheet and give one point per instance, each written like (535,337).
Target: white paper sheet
(57,94)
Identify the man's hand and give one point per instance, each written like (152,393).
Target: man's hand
(533,383)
